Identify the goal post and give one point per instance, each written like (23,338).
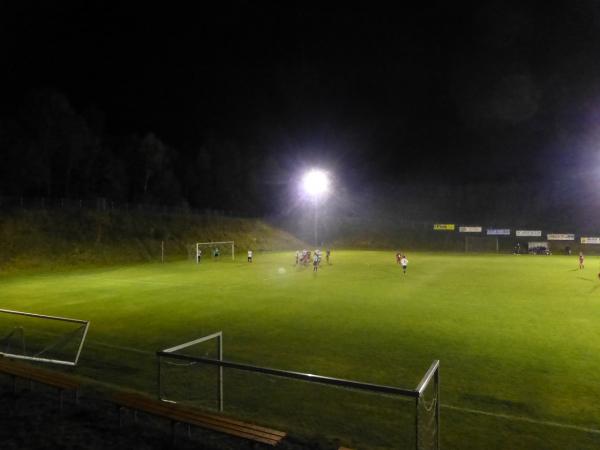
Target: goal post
(229,245)
(427,415)
(41,338)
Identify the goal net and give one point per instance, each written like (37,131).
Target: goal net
(481,244)
(41,338)
(214,250)
(188,381)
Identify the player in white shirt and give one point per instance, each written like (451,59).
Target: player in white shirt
(315,262)
(250,256)
(404,263)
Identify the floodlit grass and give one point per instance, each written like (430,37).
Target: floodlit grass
(517,337)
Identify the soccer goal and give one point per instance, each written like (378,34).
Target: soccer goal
(486,244)
(41,338)
(214,250)
(192,373)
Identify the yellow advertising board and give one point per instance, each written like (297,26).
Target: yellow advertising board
(443,226)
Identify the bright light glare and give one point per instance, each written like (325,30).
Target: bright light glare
(315,183)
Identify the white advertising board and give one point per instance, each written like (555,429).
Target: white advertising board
(498,232)
(528,233)
(590,240)
(561,237)
(470,229)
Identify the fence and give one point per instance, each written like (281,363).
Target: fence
(404,234)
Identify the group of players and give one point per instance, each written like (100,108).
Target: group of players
(303,257)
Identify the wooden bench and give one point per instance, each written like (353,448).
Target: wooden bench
(190,416)
(58,380)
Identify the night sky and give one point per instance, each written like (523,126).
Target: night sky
(450,91)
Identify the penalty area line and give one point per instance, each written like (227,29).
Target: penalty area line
(547,423)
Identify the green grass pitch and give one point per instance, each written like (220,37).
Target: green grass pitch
(518,338)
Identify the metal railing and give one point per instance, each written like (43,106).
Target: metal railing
(432,374)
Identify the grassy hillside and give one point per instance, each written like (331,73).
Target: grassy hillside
(56,238)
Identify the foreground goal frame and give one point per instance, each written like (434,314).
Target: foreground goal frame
(171,351)
(85,324)
(211,244)
(432,376)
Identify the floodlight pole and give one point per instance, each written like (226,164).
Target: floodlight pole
(316,224)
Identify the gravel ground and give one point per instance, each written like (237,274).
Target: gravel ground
(31,420)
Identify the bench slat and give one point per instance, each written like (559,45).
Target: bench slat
(233,422)
(234,432)
(192,416)
(189,416)
(242,429)
(55,379)
(187,413)
(45,378)
(177,408)
(168,413)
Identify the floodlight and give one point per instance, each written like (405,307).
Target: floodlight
(315,183)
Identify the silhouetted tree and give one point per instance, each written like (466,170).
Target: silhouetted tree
(60,136)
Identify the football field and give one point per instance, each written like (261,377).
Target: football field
(518,339)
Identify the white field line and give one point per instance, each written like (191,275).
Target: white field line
(547,423)
(142,281)
(93,343)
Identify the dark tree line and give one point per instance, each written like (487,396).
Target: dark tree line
(49,149)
